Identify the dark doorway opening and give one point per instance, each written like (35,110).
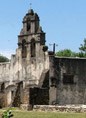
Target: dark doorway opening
(39,96)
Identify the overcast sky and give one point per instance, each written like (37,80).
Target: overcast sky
(64,22)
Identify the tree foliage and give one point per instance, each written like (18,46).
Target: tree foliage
(69,53)
(3,59)
(82,48)
(66,53)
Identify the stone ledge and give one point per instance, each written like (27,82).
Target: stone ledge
(66,108)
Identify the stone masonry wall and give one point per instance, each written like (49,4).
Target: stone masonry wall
(73,91)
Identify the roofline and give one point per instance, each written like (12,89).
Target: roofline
(80,58)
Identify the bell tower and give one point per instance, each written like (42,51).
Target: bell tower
(31,22)
(32,60)
(31,40)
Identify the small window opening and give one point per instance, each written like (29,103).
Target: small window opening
(68,79)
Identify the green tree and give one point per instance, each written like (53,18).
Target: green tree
(82,48)
(3,59)
(68,53)
(64,53)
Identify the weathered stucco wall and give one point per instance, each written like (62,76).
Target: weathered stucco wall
(70,80)
(4,71)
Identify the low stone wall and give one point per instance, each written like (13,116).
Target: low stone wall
(56,108)
(26,107)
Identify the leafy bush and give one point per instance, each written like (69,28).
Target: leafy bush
(7,114)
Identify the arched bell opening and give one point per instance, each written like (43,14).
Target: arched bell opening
(33,48)
(24,49)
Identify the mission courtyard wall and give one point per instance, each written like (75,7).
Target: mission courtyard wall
(70,74)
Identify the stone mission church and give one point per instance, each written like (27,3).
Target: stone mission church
(34,76)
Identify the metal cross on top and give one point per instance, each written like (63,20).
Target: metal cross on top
(30,5)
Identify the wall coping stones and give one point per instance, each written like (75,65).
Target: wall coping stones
(63,108)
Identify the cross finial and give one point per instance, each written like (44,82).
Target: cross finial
(30,5)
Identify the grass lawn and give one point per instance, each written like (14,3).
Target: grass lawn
(34,114)
(26,114)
